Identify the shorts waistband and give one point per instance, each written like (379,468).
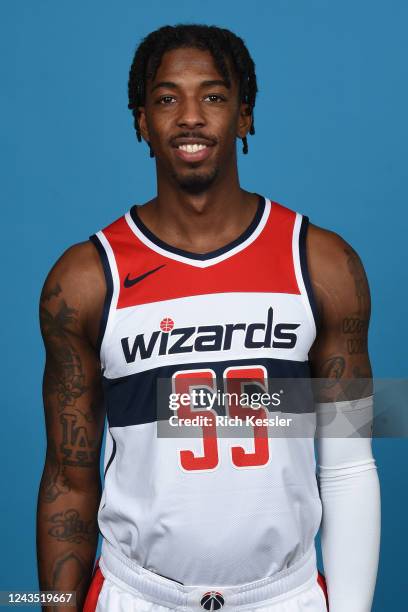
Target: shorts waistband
(165,592)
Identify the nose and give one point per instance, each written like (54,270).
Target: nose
(190,114)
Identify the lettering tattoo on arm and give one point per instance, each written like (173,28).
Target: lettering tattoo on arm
(355,327)
(68,526)
(360,280)
(77,448)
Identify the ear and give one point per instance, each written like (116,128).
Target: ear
(244,121)
(141,117)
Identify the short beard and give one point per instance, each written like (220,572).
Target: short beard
(196,183)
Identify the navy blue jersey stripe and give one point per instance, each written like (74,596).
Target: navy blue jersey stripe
(111,458)
(143,397)
(305,270)
(109,288)
(201,256)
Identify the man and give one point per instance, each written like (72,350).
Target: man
(206,284)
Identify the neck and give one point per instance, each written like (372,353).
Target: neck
(224,191)
(222,211)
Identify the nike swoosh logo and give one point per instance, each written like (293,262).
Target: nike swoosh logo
(129,282)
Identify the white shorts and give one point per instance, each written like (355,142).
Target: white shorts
(119,585)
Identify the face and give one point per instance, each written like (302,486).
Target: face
(191,119)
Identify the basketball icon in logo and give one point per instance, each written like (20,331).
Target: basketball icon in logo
(212,601)
(166,324)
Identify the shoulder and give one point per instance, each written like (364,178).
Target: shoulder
(79,268)
(76,282)
(328,252)
(78,260)
(336,271)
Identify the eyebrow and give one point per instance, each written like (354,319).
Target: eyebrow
(216,82)
(171,85)
(167,84)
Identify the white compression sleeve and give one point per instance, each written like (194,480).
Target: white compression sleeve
(350,494)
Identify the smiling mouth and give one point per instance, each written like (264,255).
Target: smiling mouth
(193,152)
(192,148)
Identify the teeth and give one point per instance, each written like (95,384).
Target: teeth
(192,148)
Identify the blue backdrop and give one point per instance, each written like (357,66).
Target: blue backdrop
(331,142)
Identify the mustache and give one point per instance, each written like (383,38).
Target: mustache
(198,135)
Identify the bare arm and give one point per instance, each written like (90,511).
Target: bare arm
(340,352)
(70,487)
(348,479)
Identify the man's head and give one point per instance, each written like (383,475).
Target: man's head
(192,91)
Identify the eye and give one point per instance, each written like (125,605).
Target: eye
(215,98)
(166,100)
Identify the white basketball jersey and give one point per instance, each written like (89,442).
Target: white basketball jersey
(206,509)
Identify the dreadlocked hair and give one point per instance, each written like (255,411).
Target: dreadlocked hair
(221,43)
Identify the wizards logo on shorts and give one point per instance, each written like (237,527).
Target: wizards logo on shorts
(212,601)
(172,340)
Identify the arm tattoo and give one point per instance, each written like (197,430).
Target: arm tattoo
(76,447)
(55,482)
(53,292)
(359,385)
(68,380)
(357,346)
(69,564)
(70,443)
(65,380)
(68,526)
(333,370)
(360,280)
(356,326)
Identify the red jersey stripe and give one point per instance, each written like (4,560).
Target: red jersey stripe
(264,265)
(94,590)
